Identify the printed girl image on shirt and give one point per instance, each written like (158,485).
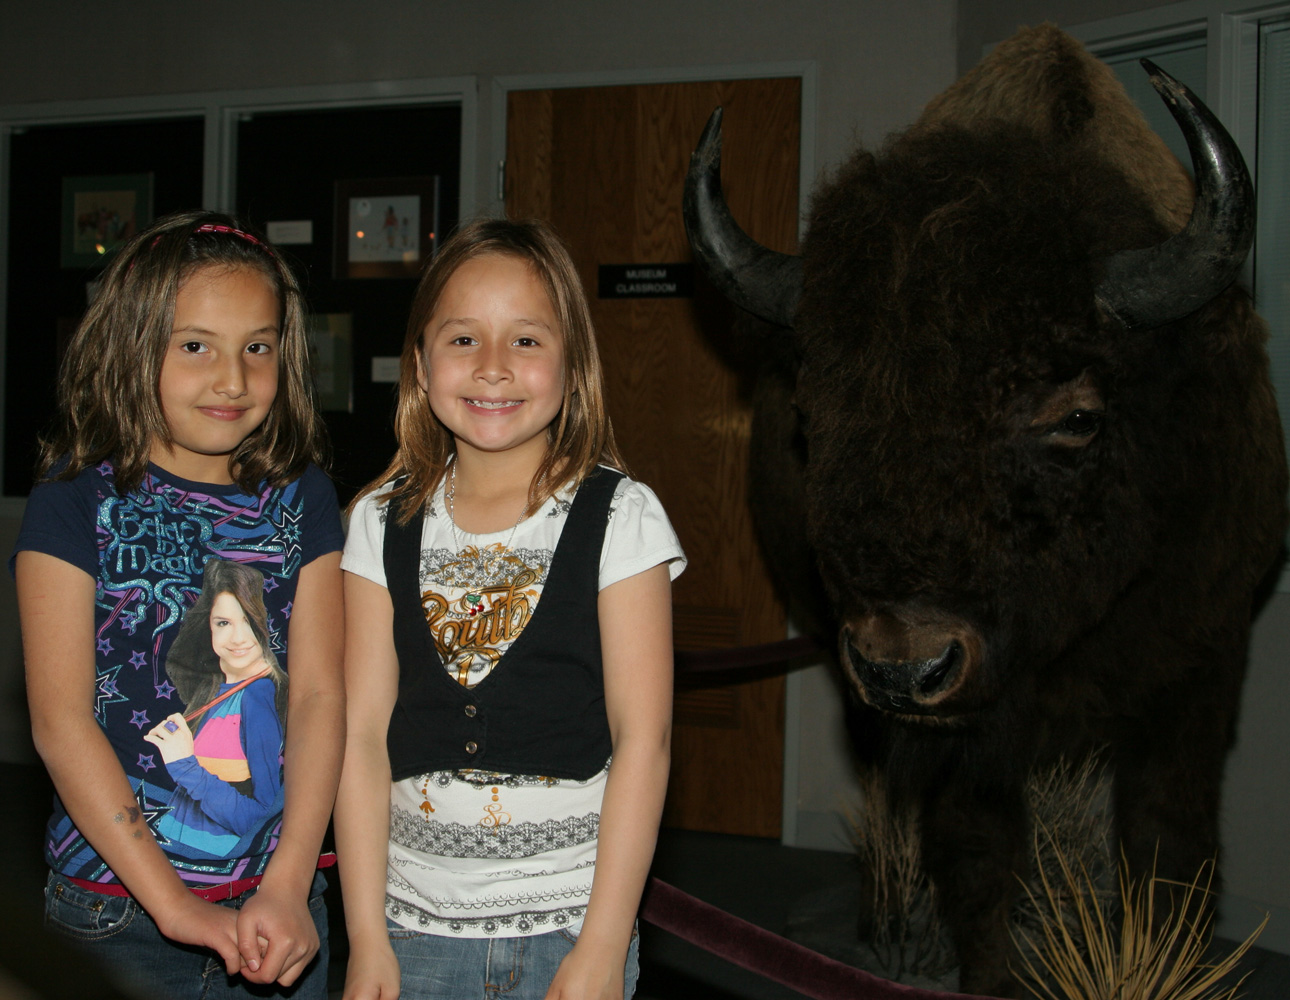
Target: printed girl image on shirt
(224,751)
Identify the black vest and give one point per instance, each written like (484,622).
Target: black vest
(542,708)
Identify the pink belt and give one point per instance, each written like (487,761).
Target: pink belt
(212,893)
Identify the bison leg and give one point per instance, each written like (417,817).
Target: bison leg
(1168,780)
(974,841)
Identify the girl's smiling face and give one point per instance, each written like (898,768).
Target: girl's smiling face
(233,639)
(219,377)
(492,357)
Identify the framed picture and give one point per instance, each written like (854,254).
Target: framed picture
(331,337)
(100,213)
(386,228)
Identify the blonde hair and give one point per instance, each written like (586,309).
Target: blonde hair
(580,436)
(109,397)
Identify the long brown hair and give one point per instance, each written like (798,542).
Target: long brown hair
(580,436)
(109,400)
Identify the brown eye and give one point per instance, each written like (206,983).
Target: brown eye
(1080,423)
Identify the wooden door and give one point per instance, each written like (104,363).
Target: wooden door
(606,167)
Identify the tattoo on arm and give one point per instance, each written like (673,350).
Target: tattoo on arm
(133,812)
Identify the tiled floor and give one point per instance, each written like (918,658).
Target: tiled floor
(770,885)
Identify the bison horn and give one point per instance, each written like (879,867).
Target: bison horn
(766,283)
(1156,285)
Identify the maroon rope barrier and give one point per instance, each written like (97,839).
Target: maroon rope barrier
(758,950)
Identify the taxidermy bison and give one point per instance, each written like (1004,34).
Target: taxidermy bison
(1022,428)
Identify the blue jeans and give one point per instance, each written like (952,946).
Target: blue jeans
(116,932)
(433,967)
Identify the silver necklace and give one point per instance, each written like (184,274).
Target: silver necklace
(480,569)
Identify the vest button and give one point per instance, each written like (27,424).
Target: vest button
(471,710)
(471,746)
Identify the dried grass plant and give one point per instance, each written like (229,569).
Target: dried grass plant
(907,937)
(1071,803)
(1087,948)
(1083,929)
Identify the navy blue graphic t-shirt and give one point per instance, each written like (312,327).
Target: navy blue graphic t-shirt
(194,588)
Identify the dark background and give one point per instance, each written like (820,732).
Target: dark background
(288,166)
(45,300)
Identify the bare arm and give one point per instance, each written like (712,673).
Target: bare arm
(279,911)
(56,607)
(362,820)
(636,647)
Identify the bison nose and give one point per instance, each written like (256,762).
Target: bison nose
(902,666)
(906,685)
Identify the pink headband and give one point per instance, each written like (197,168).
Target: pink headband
(212,227)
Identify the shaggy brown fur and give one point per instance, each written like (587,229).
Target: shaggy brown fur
(986,464)
(1042,80)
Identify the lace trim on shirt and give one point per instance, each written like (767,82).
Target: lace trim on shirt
(517,840)
(486,779)
(522,923)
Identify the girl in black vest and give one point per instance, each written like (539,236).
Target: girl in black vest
(509,651)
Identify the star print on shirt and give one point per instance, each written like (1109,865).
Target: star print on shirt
(105,646)
(140,719)
(286,610)
(165,689)
(151,814)
(289,530)
(106,693)
(130,620)
(289,527)
(145,761)
(139,659)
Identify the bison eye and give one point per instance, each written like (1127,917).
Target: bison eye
(1080,423)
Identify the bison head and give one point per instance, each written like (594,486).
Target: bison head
(1004,357)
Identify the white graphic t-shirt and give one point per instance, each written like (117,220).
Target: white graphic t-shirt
(475,853)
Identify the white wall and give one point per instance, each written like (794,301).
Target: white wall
(878,62)
(983,22)
(1256,809)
